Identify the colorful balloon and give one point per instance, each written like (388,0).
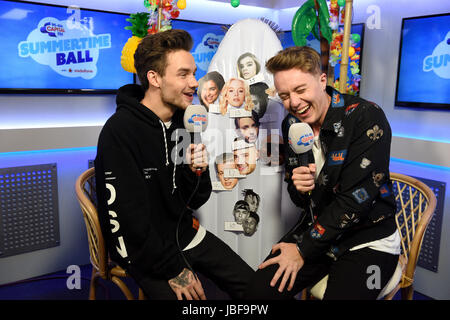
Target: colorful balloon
(181,4)
(235,3)
(341,3)
(351,51)
(356,37)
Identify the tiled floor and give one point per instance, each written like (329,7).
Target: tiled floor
(54,287)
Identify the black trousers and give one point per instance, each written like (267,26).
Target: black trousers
(215,260)
(353,276)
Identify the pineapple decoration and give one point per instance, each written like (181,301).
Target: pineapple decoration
(142,23)
(139,26)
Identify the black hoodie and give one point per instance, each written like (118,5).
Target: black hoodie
(140,192)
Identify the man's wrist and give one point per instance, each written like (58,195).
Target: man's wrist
(299,251)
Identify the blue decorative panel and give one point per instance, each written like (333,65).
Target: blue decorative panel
(28,209)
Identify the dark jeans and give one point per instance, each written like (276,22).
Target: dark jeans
(214,259)
(349,276)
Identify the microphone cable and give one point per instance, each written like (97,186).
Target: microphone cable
(178,225)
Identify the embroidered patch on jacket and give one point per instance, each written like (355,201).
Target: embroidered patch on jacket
(377,178)
(360,195)
(365,163)
(348,218)
(333,252)
(349,109)
(337,157)
(337,101)
(375,133)
(338,129)
(317,232)
(291,119)
(384,191)
(381,218)
(322,179)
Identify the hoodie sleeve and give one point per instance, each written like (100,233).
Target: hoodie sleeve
(357,187)
(188,183)
(126,212)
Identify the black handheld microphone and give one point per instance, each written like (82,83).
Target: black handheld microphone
(195,121)
(301,140)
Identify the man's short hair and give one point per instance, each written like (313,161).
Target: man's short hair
(255,216)
(241,204)
(304,58)
(152,51)
(224,158)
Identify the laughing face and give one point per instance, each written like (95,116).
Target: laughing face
(178,84)
(303,95)
(245,159)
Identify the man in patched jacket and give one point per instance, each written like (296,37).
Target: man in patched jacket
(347,223)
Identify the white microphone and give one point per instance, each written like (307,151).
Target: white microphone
(301,140)
(195,121)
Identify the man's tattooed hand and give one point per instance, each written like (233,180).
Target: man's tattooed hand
(188,285)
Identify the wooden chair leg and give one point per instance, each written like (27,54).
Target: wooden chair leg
(123,287)
(407,293)
(141,295)
(92,285)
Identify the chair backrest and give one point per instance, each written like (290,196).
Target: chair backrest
(415,207)
(85,191)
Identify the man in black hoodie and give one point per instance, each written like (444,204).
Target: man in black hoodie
(144,187)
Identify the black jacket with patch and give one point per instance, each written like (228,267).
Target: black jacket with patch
(141,193)
(353,201)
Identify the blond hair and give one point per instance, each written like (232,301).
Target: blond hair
(223,102)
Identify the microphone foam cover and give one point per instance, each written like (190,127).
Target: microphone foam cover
(301,137)
(195,118)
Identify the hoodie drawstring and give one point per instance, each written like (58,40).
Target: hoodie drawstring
(165,141)
(167,154)
(175,164)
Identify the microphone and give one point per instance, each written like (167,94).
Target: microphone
(195,121)
(301,140)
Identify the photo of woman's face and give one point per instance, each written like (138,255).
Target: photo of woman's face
(210,92)
(248,67)
(248,129)
(236,93)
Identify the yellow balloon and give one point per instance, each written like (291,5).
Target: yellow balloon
(351,51)
(181,4)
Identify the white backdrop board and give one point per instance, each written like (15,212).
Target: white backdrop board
(266,178)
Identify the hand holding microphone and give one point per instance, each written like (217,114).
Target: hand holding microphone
(195,121)
(301,139)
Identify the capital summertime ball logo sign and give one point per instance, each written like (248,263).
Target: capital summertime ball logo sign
(71,51)
(206,49)
(439,60)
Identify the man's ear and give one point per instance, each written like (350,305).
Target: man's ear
(323,80)
(154,78)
